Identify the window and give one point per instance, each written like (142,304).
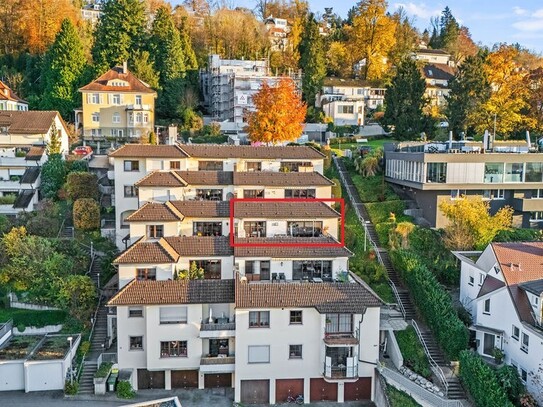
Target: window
(138,117)
(116,99)
(436,172)
(525,343)
(515,333)
(95,98)
(293,166)
(295,351)
(253,193)
(138,99)
(155,231)
(173,349)
(523,375)
(173,315)
(536,301)
(493,194)
(209,194)
(259,354)
(536,193)
(304,229)
(212,268)
(135,312)
(136,343)
(493,173)
(254,166)
(299,193)
(210,165)
(116,117)
(131,165)
(345,109)
(471,280)
(339,324)
(129,191)
(295,317)
(146,274)
(259,319)
(96,117)
(175,165)
(207,229)
(536,216)
(487,307)
(534,172)
(310,269)
(481,279)
(145,118)
(513,172)
(458,193)
(255,229)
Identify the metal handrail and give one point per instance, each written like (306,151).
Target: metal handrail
(397,295)
(90,336)
(6,327)
(61,228)
(438,371)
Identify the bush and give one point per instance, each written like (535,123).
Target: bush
(103,370)
(412,352)
(124,390)
(21,327)
(519,235)
(398,398)
(84,347)
(71,388)
(82,185)
(86,214)
(28,317)
(481,381)
(336,188)
(381,211)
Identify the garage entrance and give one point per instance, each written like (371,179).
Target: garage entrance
(184,379)
(150,380)
(255,391)
(217,380)
(321,390)
(359,390)
(288,387)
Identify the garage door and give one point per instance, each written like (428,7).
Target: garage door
(359,390)
(255,391)
(150,380)
(321,390)
(217,380)
(286,387)
(184,379)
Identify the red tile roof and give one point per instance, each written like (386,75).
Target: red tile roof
(520,262)
(148,151)
(295,252)
(309,209)
(147,252)
(252,152)
(7,94)
(28,122)
(134,84)
(200,245)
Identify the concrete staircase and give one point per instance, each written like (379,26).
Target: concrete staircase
(98,340)
(86,381)
(95,271)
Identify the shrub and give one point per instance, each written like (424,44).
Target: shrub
(519,235)
(84,347)
(412,352)
(381,211)
(86,214)
(21,327)
(336,188)
(82,185)
(103,370)
(481,381)
(398,398)
(510,381)
(71,388)
(27,317)
(124,390)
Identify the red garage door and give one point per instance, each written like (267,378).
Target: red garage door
(255,391)
(288,387)
(217,380)
(150,380)
(359,390)
(321,390)
(184,379)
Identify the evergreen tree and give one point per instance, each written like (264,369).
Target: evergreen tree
(469,90)
(312,60)
(63,67)
(191,63)
(404,101)
(54,145)
(449,29)
(119,33)
(143,68)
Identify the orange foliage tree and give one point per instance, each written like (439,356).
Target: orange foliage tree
(279,114)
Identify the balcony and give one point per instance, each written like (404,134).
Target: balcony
(336,372)
(218,364)
(527,205)
(221,328)
(342,339)
(138,107)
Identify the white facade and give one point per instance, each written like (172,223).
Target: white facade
(337,89)
(345,112)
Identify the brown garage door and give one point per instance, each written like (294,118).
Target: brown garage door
(183,379)
(150,380)
(359,390)
(217,380)
(255,391)
(321,390)
(286,387)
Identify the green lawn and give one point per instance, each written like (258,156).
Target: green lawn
(398,398)
(27,317)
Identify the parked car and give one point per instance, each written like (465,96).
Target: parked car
(82,150)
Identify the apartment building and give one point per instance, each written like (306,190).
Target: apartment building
(23,140)
(502,288)
(354,90)
(437,69)
(116,106)
(228,86)
(504,173)
(275,287)
(9,100)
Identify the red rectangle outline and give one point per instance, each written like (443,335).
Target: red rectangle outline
(341,202)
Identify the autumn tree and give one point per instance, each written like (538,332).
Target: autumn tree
(119,33)
(405,37)
(279,113)
(312,60)
(471,226)
(372,37)
(535,86)
(63,67)
(338,60)
(11,29)
(86,214)
(82,185)
(405,101)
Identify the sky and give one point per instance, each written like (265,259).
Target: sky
(489,21)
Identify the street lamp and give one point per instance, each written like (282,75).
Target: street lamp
(70,339)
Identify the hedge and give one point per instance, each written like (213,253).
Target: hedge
(34,318)
(413,352)
(380,211)
(481,381)
(433,302)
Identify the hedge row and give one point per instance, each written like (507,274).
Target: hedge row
(481,381)
(433,302)
(33,318)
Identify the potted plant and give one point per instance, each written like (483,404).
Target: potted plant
(498,355)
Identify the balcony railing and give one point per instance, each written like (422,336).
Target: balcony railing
(338,372)
(218,360)
(340,339)
(218,326)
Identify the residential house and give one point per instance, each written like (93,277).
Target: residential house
(502,288)
(23,139)
(278,30)
(437,70)
(9,100)
(341,89)
(504,173)
(116,106)
(91,11)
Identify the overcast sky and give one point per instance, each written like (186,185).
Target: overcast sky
(490,21)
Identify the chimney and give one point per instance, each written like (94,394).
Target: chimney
(125,67)
(172,134)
